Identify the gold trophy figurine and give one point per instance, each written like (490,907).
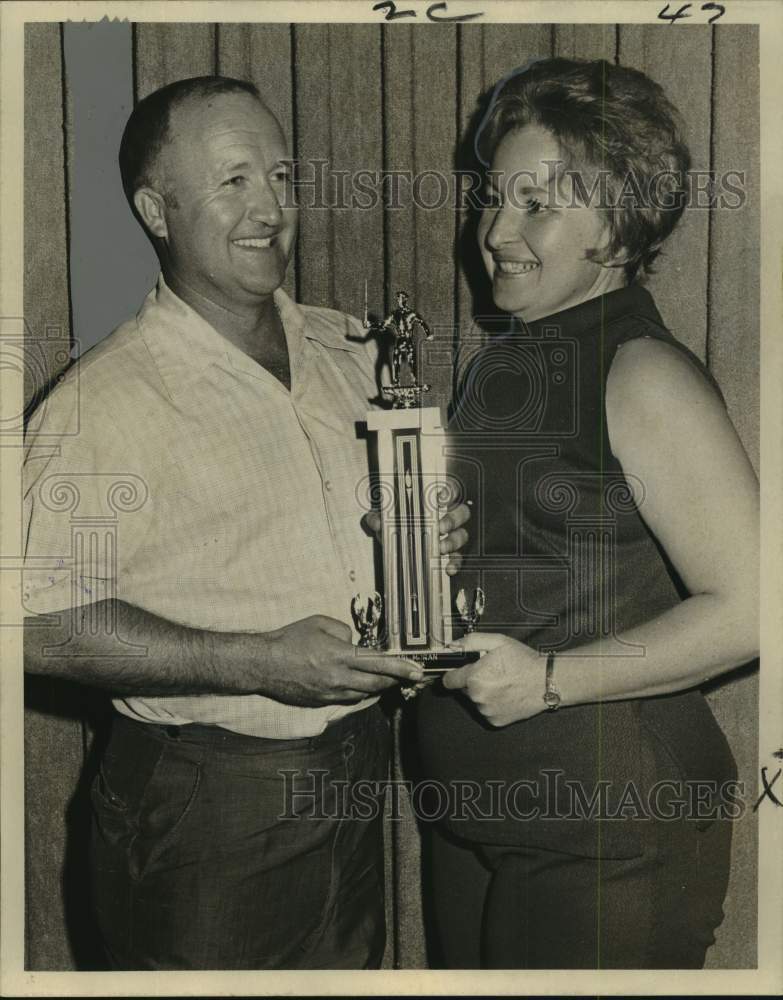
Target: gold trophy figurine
(401,324)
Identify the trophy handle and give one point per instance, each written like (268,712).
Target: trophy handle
(366,613)
(471,609)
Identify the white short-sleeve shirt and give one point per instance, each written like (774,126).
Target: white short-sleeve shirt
(173,472)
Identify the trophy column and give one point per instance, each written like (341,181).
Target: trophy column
(413,483)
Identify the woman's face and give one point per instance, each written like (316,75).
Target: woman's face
(535,238)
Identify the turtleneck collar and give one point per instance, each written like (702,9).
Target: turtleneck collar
(595,314)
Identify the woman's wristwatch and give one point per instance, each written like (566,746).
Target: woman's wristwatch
(551,694)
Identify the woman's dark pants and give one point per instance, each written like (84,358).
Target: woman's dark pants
(531,908)
(512,908)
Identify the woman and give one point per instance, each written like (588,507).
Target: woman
(616,532)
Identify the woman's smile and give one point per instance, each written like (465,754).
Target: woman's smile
(514,268)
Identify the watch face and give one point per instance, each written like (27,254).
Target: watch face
(551,699)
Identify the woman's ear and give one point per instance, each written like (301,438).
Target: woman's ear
(603,251)
(151,207)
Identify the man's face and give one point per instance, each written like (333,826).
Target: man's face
(229,219)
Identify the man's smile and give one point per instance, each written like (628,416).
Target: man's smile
(254,242)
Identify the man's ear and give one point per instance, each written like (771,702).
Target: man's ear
(151,207)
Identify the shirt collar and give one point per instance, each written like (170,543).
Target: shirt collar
(183,344)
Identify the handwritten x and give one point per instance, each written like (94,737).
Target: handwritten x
(768,793)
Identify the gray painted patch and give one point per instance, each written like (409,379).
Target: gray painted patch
(112,265)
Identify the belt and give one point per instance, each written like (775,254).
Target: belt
(216,736)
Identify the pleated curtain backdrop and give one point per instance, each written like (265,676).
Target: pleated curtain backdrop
(384,98)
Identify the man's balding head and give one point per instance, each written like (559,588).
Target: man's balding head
(206,168)
(149,126)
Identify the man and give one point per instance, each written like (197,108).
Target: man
(241,700)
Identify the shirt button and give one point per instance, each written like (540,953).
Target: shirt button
(352,575)
(327,484)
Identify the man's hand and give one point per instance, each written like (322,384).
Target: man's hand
(453,535)
(310,662)
(507,684)
(313,663)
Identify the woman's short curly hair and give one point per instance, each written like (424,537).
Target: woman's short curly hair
(614,119)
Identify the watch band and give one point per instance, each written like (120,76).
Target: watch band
(551,694)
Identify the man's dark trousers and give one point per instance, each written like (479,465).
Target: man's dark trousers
(203,859)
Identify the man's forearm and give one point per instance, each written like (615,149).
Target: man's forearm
(143,654)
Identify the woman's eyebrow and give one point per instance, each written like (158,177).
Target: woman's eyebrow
(514,178)
(523,185)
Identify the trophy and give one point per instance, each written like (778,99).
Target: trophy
(413,488)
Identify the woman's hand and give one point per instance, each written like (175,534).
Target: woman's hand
(507,684)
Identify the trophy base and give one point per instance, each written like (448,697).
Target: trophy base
(405,397)
(434,661)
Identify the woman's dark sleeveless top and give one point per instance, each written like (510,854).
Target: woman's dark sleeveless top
(562,552)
